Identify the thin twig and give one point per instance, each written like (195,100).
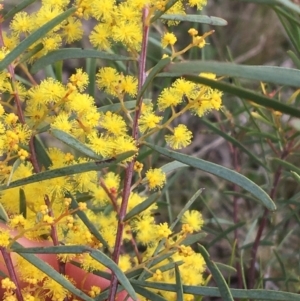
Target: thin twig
(129,168)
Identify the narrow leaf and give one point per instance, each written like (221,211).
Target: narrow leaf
(254,294)
(247,94)
(271,74)
(49,271)
(172,166)
(186,207)
(224,233)
(3,215)
(263,135)
(117,106)
(287,165)
(18,8)
(22,203)
(179,290)
(106,261)
(159,13)
(75,53)
(87,222)
(225,267)
(31,53)
(75,144)
(221,172)
(35,36)
(78,249)
(193,238)
(41,153)
(159,259)
(234,142)
(66,171)
(91,66)
(195,19)
(141,207)
(290,5)
(294,58)
(149,295)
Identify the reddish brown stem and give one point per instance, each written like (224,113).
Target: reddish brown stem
(11,272)
(129,169)
(54,235)
(263,221)
(110,195)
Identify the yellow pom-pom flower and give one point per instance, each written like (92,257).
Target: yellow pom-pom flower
(181,137)
(193,218)
(156,178)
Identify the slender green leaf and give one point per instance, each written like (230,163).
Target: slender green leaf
(75,144)
(294,58)
(14,168)
(18,8)
(296,176)
(149,295)
(31,53)
(158,260)
(106,261)
(195,19)
(49,271)
(233,141)
(67,171)
(261,243)
(75,53)
(35,36)
(117,106)
(155,70)
(287,14)
(264,135)
(91,66)
(134,273)
(290,5)
(58,70)
(22,203)
(179,290)
(193,238)
(247,94)
(105,294)
(172,166)
(87,222)
(141,207)
(275,75)
(78,249)
(221,172)
(159,13)
(281,263)
(218,277)
(254,294)
(186,207)
(224,233)
(70,249)
(225,267)
(3,215)
(41,153)
(290,30)
(287,165)
(166,267)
